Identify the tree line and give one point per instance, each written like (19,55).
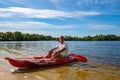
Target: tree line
(18,36)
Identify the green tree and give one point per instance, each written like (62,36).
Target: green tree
(48,38)
(26,37)
(68,38)
(87,38)
(35,37)
(18,36)
(76,38)
(9,36)
(1,36)
(42,37)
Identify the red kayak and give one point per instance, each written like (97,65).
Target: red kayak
(42,61)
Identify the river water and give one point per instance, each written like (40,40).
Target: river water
(103,58)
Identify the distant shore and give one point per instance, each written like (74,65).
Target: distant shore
(18,36)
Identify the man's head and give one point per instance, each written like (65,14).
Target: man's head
(61,39)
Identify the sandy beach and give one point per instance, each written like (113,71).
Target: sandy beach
(71,71)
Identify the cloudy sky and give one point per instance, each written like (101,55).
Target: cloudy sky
(61,17)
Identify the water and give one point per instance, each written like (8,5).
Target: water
(105,52)
(103,60)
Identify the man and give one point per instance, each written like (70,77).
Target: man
(61,50)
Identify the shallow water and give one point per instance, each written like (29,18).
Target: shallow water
(103,61)
(107,52)
(72,71)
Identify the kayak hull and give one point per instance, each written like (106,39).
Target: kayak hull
(42,61)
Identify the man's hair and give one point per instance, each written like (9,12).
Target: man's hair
(61,36)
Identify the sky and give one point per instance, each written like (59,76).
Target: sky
(61,17)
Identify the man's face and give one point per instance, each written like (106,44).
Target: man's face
(61,39)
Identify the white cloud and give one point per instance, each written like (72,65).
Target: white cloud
(35,27)
(54,30)
(43,13)
(5,15)
(102,26)
(32,25)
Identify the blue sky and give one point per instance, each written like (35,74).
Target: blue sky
(61,17)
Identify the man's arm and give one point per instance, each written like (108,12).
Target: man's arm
(51,50)
(61,50)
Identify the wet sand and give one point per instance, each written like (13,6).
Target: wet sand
(70,71)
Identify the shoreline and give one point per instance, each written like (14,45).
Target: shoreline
(71,71)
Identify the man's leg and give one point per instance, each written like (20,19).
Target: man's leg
(57,55)
(49,54)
